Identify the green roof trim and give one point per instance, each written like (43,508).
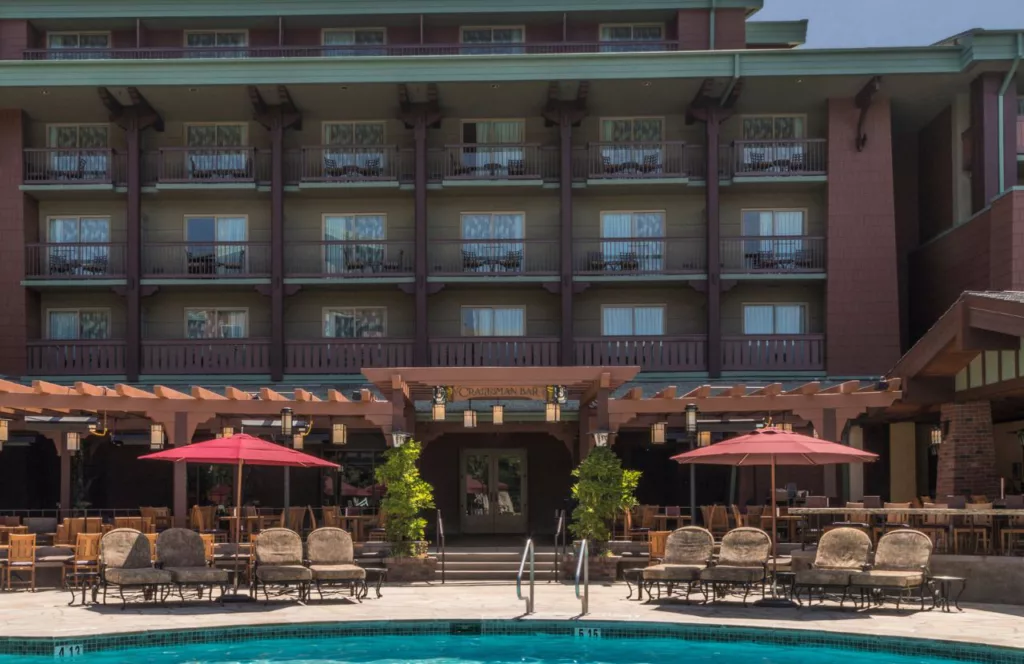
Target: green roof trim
(776,33)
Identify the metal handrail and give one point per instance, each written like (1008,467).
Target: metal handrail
(583,563)
(440,542)
(527,552)
(559,533)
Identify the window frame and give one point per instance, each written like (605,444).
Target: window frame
(327,309)
(215,217)
(804,314)
(324,31)
(632,27)
(323,224)
(78,125)
(78,310)
(747,116)
(774,211)
(79,218)
(632,214)
(325,123)
(634,306)
(79,33)
(245,310)
(492,28)
(186,33)
(491,214)
(491,307)
(243,124)
(465,121)
(632,118)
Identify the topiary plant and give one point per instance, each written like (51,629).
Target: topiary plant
(602,491)
(406,495)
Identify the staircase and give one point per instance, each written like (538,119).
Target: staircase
(496,564)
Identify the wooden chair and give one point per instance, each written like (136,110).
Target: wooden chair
(893,520)
(1012,534)
(738,519)
(160,516)
(656,545)
(210,546)
(935,526)
(21,557)
(330,515)
(86,557)
(716,519)
(152,547)
(204,521)
(976,529)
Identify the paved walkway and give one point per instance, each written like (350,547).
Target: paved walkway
(46,613)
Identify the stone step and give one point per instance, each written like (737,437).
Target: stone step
(474,565)
(491,575)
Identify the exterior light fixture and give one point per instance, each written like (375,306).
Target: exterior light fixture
(286,422)
(227,432)
(92,428)
(936,437)
(497,414)
(787,426)
(469,419)
(339,434)
(601,437)
(703,439)
(156,436)
(5,432)
(658,433)
(298,441)
(399,438)
(438,401)
(552,412)
(437,412)
(74,441)
(691,418)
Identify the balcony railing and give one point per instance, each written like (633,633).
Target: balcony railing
(53,260)
(806,156)
(494,352)
(640,161)
(805,352)
(59,357)
(73,166)
(349,258)
(345,356)
(208,165)
(206,260)
(337,163)
(773,254)
(687,353)
(495,258)
(199,356)
(478,161)
(629,256)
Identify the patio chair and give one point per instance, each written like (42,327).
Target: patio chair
(152,547)
(688,552)
(21,558)
(841,553)
(204,520)
(893,520)
(742,561)
(935,526)
(332,560)
(973,529)
(183,553)
(160,516)
(812,526)
(631,533)
(901,566)
(656,543)
(85,559)
(278,562)
(716,519)
(1012,534)
(126,563)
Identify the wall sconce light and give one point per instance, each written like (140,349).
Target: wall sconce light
(437,412)
(339,434)
(286,422)
(703,438)
(298,441)
(787,426)
(552,412)
(399,438)
(691,418)
(5,431)
(227,432)
(469,419)
(601,437)
(658,433)
(497,414)
(156,436)
(74,441)
(936,437)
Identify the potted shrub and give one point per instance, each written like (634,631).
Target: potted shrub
(406,495)
(603,489)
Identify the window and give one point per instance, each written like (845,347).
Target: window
(631,130)
(360,41)
(223,43)
(83,153)
(355,322)
(216,323)
(631,252)
(211,153)
(785,248)
(79,43)
(631,144)
(493,321)
(774,319)
(484,151)
(494,37)
(354,133)
(349,243)
(78,245)
(72,324)
(773,143)
(628,321)
(631,38)
(354,145)
(216,244)
(773,127)
(492,241)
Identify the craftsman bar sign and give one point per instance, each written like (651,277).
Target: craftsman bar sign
(466,392)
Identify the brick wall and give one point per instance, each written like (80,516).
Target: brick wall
(967,456)
(14,208)
(862,305)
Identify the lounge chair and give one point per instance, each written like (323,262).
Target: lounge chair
(279,562)
(183,554)
(126,563)
(332,560)
(688,552)
(901,566)
(841,553)
(742,562)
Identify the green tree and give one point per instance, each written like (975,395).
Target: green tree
(602,491)
(406,495)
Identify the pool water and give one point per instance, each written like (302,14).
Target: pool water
(529,649)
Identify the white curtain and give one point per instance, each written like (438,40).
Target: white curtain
(363,39)
(210,155)
(493,322)
(789,225)
(764,319)
(632,321)
(789,319)
(93,138)
(645,255)
(79,325)
(508,322)
(354,144)
(638,143)
(355,323)
(231,257)
(496,244)
(216,324)
(357,232)
(64,325)
(83,243)
(494,133)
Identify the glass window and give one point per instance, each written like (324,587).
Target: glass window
(493,322)
(79,43)
(215,135)
(349,242)
(771,223)
(631,130)
(214,150)
(225,43)
(78,230)
(90,136)
(626,321)
(493,37)
(216,245)
(773,127)
(355,322)
(492,242)
(78,324)
(784,230)
(354,133)
(78,245)
(216,323)
(631,252)
(631,38)
(360,41)
(773,319)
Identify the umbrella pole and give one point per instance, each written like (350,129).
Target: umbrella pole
(235,596)
(775,600)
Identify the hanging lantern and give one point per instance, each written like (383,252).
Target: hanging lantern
(399,438)
(658,433)
(74,441)
(936,436)
(691,418)
(227,432)
(469,419)
(298,441)
(156,436)
(498,414)
(286,422)
(704,438)
(4,433)
(437,412)
(552,412)
(786,426)
(339,434)
(601,437)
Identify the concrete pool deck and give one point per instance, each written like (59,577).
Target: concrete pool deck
(46,613)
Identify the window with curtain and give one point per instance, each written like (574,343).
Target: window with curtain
(493,241)
(85,148)
(360,41)
(356,144)
(637,142)
(766,319)
(70,324)
(785,229)
(630,38)
(766,139)
(355,322)
(212,151)
(216,245)
(493,144)
(630,321)
(493,322)
(80,42)
(222,43)
(633,251)
(216,323)
(83,245)
(352,242)
(497,40)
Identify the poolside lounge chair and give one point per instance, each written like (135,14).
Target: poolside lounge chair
(332,560)
(126,563)
(742,562)
(183,554)
(688,551)
(901,566)
(278,562)
(841,553)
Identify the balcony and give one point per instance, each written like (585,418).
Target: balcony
(203,166)
(493,258)
(632,256)
(805,352)
(494,352)
(345,356)
(663,160)
(93,357)
(687,353)
(85,262)
(64,166)
(349,258)
(206,356)
(206,260)
(773,255)
(477,162)
(328,165)
(780,159)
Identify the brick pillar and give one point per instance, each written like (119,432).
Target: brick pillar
(18,222)
(967,456)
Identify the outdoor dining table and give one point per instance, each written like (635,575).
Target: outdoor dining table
(789,519)
(679,520)
(356,523)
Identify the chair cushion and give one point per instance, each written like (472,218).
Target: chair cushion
(180,548)
(338,572)
(136,576)
(824,577)
(329,546)
(279,547)
(670,572)
(881,578)
(283,573)
(733,574)
(198,575)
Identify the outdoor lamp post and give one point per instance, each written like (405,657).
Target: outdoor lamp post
(398,438)
(286,422)
(691,431)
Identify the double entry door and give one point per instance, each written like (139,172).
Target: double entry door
(493,491)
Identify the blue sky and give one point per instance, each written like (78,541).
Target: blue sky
(840,23)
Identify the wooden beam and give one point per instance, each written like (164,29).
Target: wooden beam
(366,395)
(14,388)
(267,394)
(133,392)
(43,387)
(208,395)
(303,395)
(702,392)
(735,391)
(769,390)
(634,394)
(167,393)
(667,393)
(336,397)
(807,388)
(236,394)
(90,390)
(847,387)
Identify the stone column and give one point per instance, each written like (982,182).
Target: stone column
(967,456)
(902,462)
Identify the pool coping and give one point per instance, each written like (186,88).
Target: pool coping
(958,651)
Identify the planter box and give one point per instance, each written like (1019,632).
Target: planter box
(408,569)
(602,568)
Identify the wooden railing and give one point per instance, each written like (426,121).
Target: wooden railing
(205,356)
(494,258)
(494,352)
(639,255)
(209,165)
(340,163)
(57,260)
(59,357)
(479,161)
(773,254)
(349,258)
(795,157)
(73,166)
(345,356)
(804,352)
(653,160)
(206,260)
(688,353)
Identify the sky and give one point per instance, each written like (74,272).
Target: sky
(843,23)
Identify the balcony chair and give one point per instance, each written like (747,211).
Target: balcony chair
(471,261)
(397,265)
(688,552)
(233,262)
(516,168)
(629,261)
(371,169)
(651,164)
(512,261)
(607,166)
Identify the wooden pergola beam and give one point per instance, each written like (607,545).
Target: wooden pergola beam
(847,387)
(769,390)
(634,394)
(335,396)
(735,391)
(807,388)
(128,391)
(205,394)
(267,394)
(167,393)
(667,393)
(236,394)
(304,395)
(698,392)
